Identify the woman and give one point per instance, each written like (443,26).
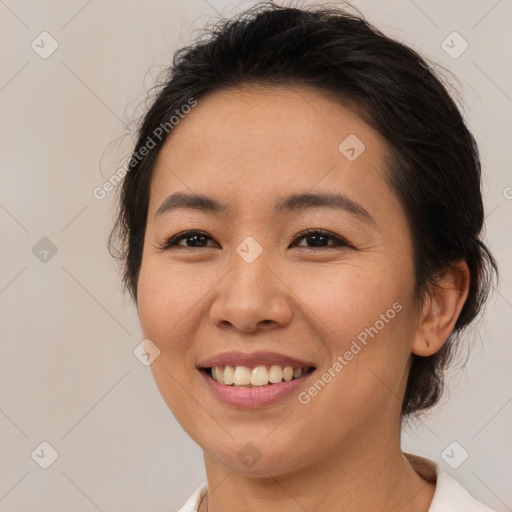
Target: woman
(300,227)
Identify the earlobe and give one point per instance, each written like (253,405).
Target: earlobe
(441,309)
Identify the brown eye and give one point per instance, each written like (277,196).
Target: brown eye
(320,239)
(193,239)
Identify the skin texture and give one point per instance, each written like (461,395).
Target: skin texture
(248,147)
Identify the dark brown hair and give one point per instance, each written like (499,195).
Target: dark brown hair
(434,170)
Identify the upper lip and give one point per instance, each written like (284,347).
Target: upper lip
(252,360)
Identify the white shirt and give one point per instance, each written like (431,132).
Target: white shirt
(449,495)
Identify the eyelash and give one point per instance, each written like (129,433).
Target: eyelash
(339,242)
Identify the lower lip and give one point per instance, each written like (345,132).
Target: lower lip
(245,397)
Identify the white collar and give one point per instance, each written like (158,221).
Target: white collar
(449,495)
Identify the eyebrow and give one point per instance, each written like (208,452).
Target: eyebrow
(291,203)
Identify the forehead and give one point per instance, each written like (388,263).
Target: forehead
(244,145)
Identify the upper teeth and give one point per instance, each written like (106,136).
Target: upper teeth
(257,376)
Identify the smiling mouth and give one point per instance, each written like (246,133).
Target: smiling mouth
(257,376)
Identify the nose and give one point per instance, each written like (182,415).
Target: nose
(252,297)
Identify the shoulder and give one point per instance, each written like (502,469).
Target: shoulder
(449,496)
(192,503)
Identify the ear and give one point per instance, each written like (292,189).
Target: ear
(441,309)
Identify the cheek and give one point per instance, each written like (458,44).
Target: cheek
(163,303)
(362,316)
(344,300)
(167,298)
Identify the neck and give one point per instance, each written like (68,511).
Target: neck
(352,479)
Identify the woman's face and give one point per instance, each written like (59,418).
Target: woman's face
(340,301)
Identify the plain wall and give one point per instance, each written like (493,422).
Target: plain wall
(68,374)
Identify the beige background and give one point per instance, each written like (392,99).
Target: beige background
(68,375)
